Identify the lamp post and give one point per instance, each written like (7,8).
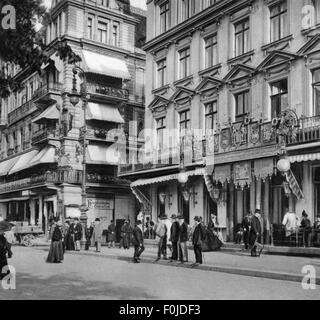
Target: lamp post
(75,99)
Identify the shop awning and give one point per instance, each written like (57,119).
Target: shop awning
(51,113)
(24,161)
(46,155)
(175,176)
(107,155)
(6,165)
(103,112)
(263,168)
(101,64)
(304,157)
(294,185)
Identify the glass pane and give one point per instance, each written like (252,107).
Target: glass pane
(274,29)
(317,101)
(284,102)
(246,41)
(238,44)
(275,106)
(316,76)
(283,26)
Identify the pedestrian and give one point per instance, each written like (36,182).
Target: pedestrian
(138,242)
(183,238)
(307,229)
(111,235)
(77,230)
(161,237)
(9,235)
(255,234)
(197,239)
(246,226)
(69,237)
(291,222)
(96,238)
(126,232)
(56,248)
(168,224)
(88,234)
(3,257)
(174,237)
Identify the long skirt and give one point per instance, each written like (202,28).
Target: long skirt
(211,242)
(56,252)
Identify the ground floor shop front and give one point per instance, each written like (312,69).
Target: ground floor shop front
(233,190)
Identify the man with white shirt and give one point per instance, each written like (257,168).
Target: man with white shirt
(291,222)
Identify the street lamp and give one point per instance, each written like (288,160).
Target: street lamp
(75,97)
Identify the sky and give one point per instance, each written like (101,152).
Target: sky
(136,3)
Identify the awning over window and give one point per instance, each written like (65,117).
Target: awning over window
(304,157)
(263,168)
(24,161)
(175,176)
(6,165)
(222,173)
(101,64)
(107,155)
(46,155)
(103,112)
(51,113)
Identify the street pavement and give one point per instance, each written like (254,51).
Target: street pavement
(111,275)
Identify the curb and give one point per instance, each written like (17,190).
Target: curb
(292,277)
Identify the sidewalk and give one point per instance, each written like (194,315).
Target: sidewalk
(241,263)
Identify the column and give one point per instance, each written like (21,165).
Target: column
(230,203)
(40,210)
(266,208)
(253,195)
(258,194)
(32,212)
(45,213)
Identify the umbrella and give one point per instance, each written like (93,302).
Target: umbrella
(5,226)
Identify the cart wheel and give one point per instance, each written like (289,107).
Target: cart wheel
(27,240)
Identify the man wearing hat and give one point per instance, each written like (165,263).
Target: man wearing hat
(183,238)
(174,237)
(197,238)
(138,242)
(255,234)
(161,236)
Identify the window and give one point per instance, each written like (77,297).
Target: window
(115,35)
(164,17)
(210,117)
(161,126)
(104,3)
(184,63)
(241,36)
(278,21)
(242,105)
(186,8)
(211,51)
(102,32)
(316,91)
(90,28)
(162,73)
(279,97)
(184,122)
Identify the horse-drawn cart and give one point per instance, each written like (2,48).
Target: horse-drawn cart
(26,234)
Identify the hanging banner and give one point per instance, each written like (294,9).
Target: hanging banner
(242,174)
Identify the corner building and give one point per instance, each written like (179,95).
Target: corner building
(247,74)
(41,167)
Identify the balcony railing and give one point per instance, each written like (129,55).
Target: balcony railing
(45,134)
(21,112)
(43,91)
(108,91)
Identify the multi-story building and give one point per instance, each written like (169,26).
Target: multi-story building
(41,167)
(237,83)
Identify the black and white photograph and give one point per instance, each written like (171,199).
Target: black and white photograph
(159,150)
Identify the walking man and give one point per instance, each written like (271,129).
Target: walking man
(97,235)
(183,238)
(137,242)
(77,230)
(174,237)
(112,235)
(246,226)
(197,238)
(255,234)
(161,236)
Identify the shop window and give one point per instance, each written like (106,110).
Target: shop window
(279,97)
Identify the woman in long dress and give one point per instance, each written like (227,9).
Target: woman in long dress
(56,249)
(212,242)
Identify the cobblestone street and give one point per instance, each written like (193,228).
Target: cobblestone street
(111,275)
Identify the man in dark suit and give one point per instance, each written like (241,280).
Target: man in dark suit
(174,237)
(255,234)
(183,238)
(137,242)
(246,226)
(197,238)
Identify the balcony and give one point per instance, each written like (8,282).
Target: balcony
(307,130)
(103,92)
(45,134)
(98,134)
(3,123)
(21,112)
(48,93)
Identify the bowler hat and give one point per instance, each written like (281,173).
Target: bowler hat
(174,216)
(164,217)
(197,219)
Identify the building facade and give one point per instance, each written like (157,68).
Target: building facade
(42,132)
(235,83)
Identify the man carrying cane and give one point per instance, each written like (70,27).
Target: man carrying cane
(255,234)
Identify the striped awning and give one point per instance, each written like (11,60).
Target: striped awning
(304,157)
(103,112)
(294,185)
(51,113)
(175,176)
